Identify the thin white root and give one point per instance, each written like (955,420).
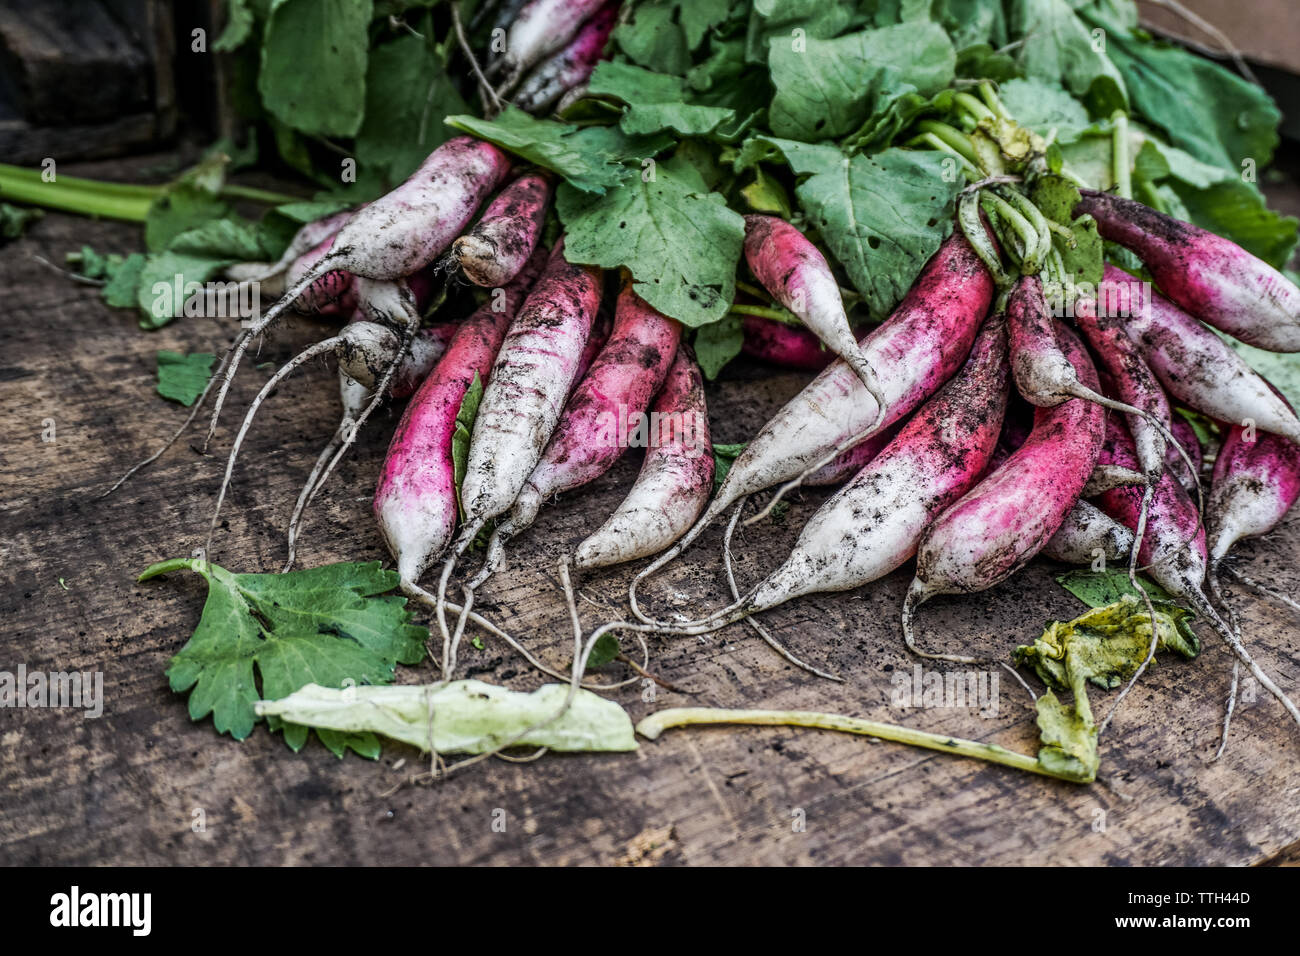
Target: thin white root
(305,355)
(189,420)
(1263,589)
(1151,611)
(1217,594)
(307,496)
(916,596)
(759,629)
(1203,606)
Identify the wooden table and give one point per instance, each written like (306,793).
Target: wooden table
(129,786)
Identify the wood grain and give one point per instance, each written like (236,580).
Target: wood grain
(129,786)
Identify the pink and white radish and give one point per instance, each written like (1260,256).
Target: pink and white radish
(1188,476)
(542,27)
(531,378)
(1089,535)
(494,251)
(571,66)
(920,346)
(1195,365)
(312,234)
(1211,277)
(675,480)
(601,417)
(1256,481)
(872,525)
(398,234)
(1008,517)
(796,274)
(415,499)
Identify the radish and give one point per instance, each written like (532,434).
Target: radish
(786,345)
(675,480)
(797,275)
(921,345)
(1195,365)
(397,234)
(329,293)
(415,499)
(603,416)
(571,66)
(872,525)
(1088,533)
(1174,549)
(542,27)
(1256,481)
(494,251)
(1211,277)
(1189,478)
(531,378)
(425,352)
(1008,517)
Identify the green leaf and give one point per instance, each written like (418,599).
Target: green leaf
(193,257)
(314,57)
(1043,106)
(463,716)
(605,650)
(1056,198)
(460,438)
(655,101)
(327,626)
(882,216)
(1212,113)
(820,84)
(408,92)
(179,210)
(1103,588)
(660,34)
(182,378)
(239,26)
(1105,647)
(680,242)
(723,456)
(718,343)
(1058,47)
(554,146)
(119,291)
(14,220)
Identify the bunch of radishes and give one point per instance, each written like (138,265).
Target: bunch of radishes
(915,413)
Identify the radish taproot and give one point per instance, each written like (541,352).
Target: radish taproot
(1211,277)
(1008,517)
(494,251)
(921,345)
(675,480)
(872,525)
(541,28)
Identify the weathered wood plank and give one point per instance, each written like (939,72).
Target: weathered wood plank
(126,787)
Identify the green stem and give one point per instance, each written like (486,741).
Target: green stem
(253,194)
(977,110)
(751,289)
(88,203)
(1021,203)
(652,726)
(763,312)
(1021,226)
(26,174)
(968,218)
(991,98)
(953,138)
(972,171)
(166,567)
(1120,171)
